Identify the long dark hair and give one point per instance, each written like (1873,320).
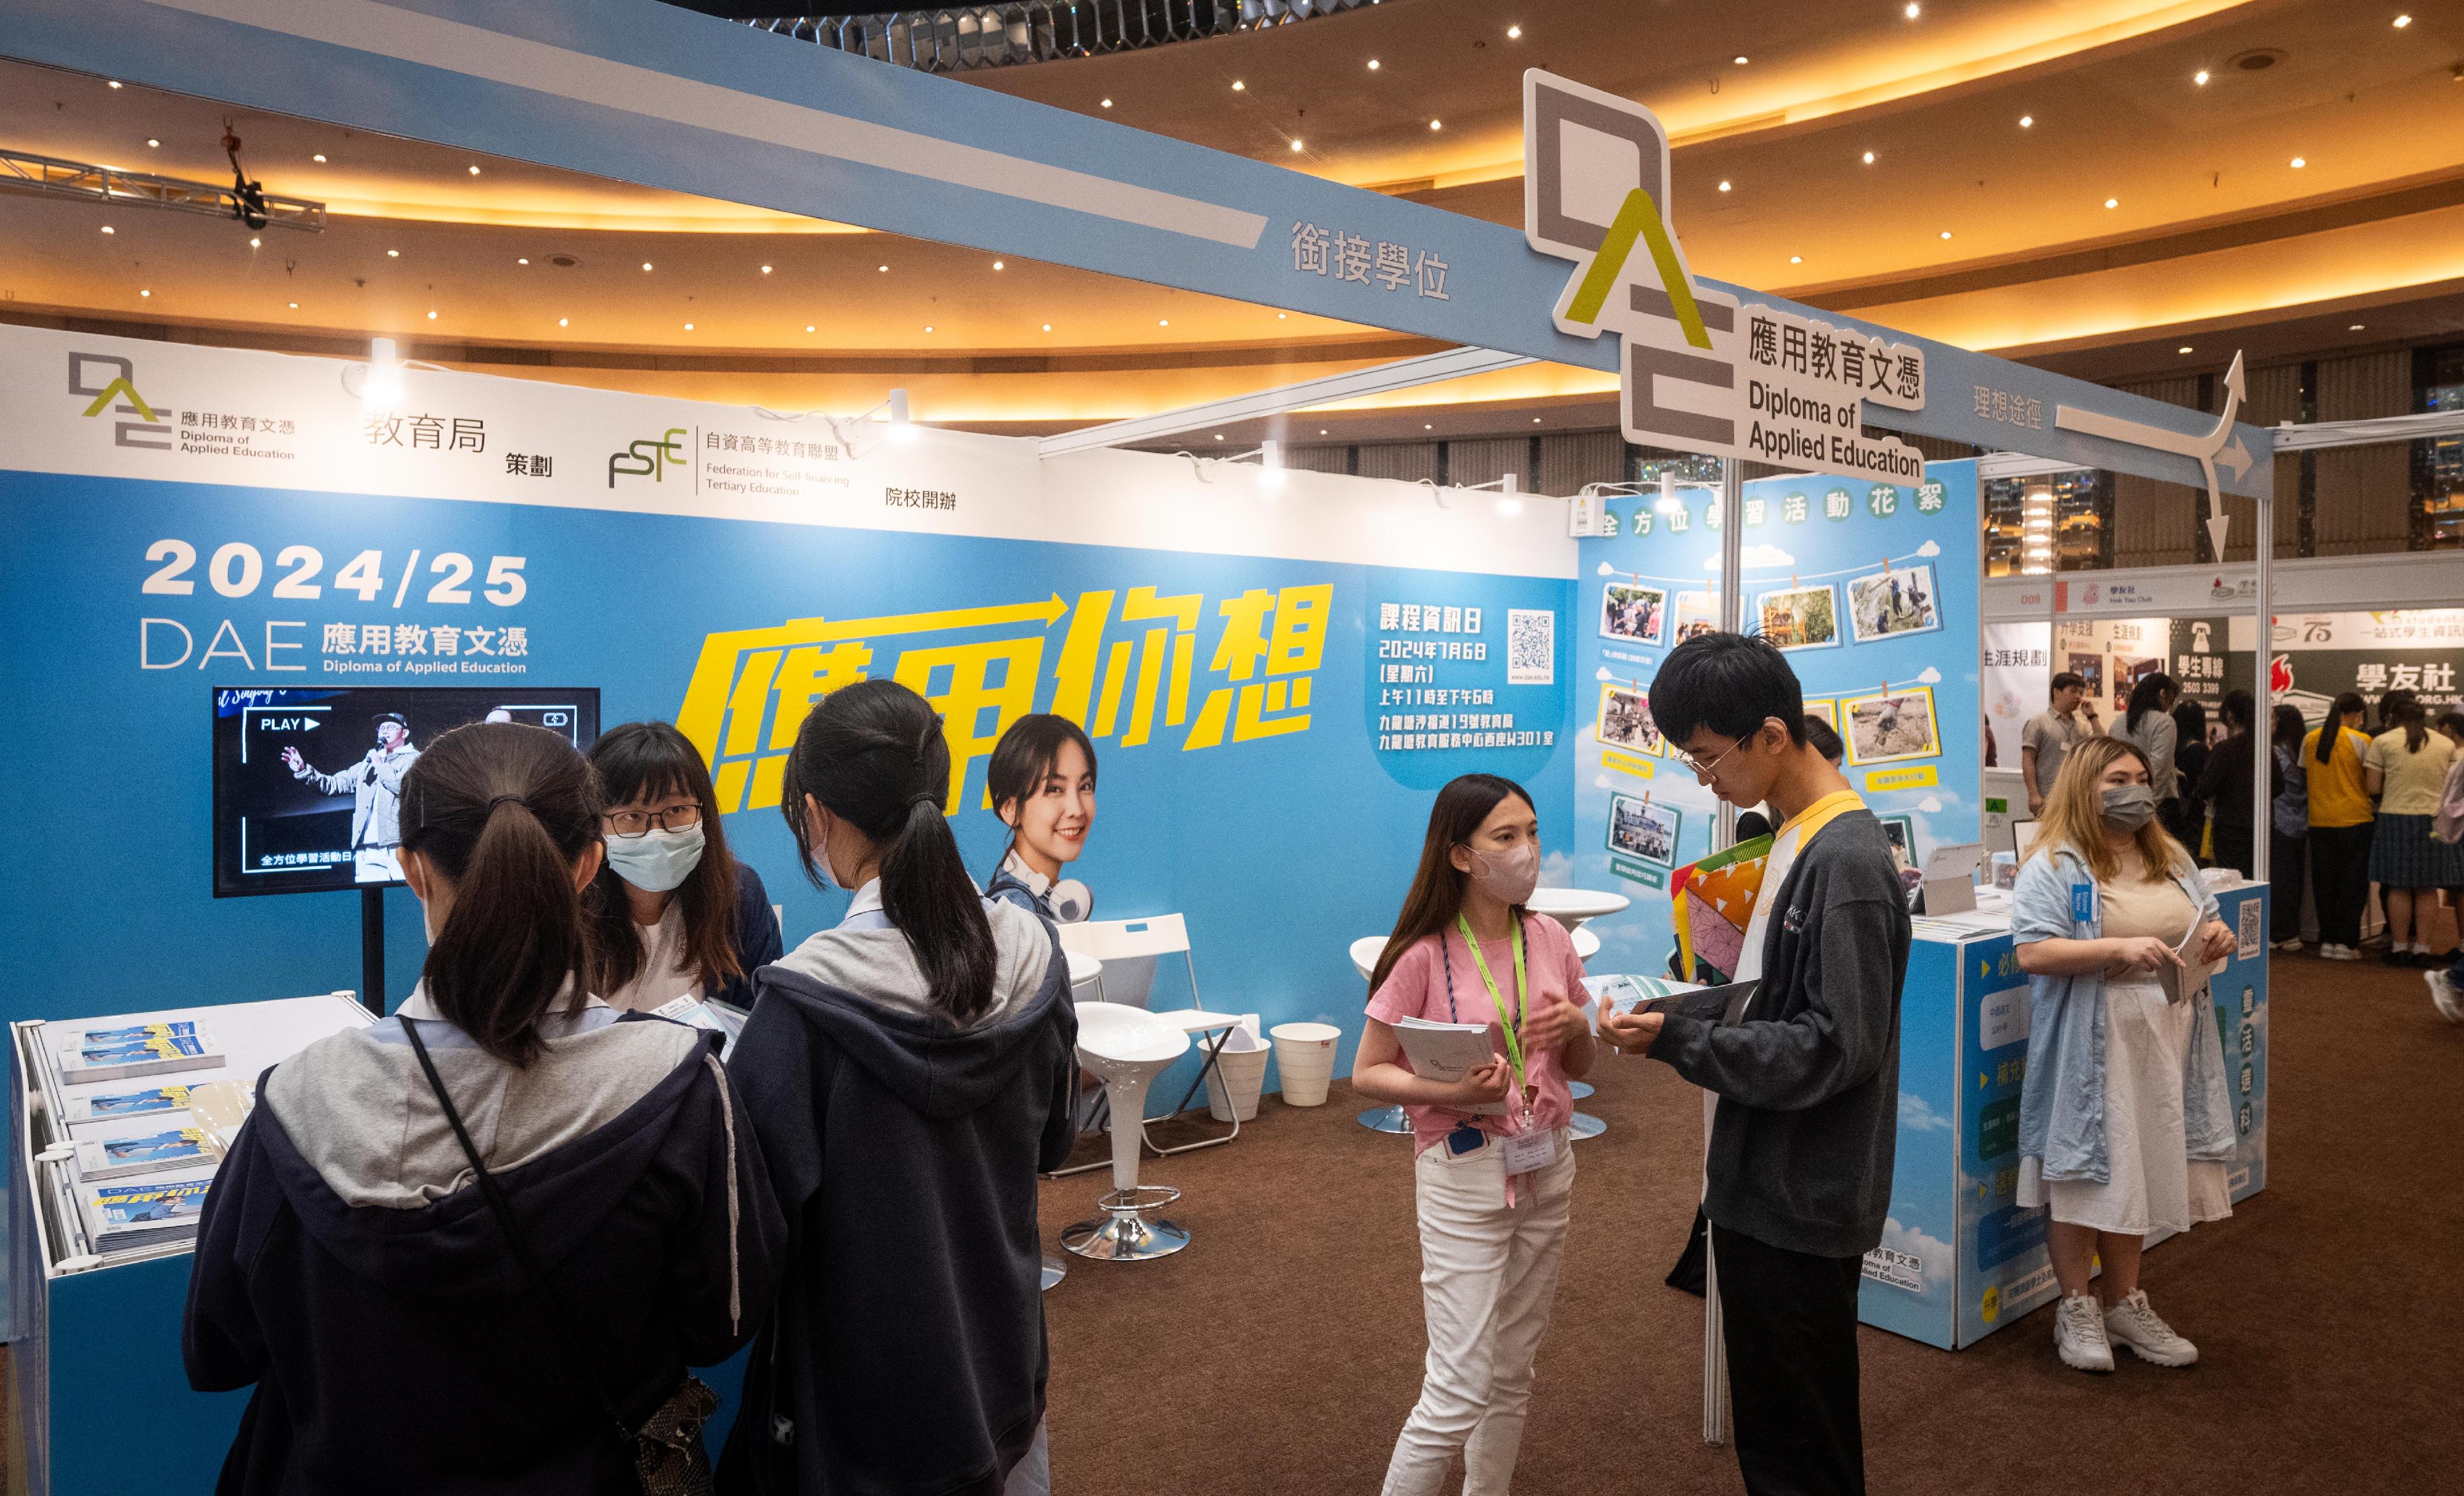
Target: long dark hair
(2148,695)
(873,754)
(652,760)
(2237,709)
(1438,886)
(1025,756)
(503,812)
(2189,721)
(2289,728)
(2402,709)
(2333,729)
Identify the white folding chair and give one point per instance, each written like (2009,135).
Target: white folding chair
(1137,943)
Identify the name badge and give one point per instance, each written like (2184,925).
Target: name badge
(2083,902)
(1526,1152)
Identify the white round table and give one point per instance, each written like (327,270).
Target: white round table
(1571,906)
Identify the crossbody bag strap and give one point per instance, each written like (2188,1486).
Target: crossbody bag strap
(562,1326)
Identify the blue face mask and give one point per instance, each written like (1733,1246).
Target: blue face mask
(656,862)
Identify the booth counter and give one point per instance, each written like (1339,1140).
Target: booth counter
(1959,1257)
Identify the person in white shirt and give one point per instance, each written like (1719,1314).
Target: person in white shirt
(673,917)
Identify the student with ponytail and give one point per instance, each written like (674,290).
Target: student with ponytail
(910,1071)
(474,1246)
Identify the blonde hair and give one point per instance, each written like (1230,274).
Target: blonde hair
(2074,815)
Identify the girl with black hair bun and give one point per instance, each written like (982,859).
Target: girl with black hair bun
(412,1326)
(1041,779)
(911,1072)
(672,916)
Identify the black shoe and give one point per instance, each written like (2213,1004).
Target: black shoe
(2396,957)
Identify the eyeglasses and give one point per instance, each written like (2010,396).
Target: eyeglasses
(1707,770)
(629,823)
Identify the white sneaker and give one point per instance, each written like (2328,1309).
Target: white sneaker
(2338,953)
(2078,1334)
(2444,993)
(2292,944)
(2133,1324)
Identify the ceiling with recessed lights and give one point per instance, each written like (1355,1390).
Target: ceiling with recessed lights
(2092,184)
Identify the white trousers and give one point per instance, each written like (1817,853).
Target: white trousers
(1488,1276)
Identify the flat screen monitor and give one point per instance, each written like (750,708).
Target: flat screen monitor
(307,782)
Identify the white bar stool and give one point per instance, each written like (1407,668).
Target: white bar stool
(1086,979)
(1365,951)
(1129,1048)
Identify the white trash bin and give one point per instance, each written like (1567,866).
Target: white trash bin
(1305,1059)
(1239,1074)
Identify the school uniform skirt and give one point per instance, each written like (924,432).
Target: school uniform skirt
(2405,856)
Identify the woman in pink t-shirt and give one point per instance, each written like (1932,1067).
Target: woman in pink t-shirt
(1493,1187)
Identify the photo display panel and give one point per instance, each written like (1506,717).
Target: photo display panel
(307,795)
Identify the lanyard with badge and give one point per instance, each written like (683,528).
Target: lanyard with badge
(1526,1148)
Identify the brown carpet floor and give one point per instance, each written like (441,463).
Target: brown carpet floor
(1281,1351)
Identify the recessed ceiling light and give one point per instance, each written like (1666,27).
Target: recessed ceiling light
(1238,86)
(2113,202)
(1436,125)
(1741,61)
(141,293)
(885,270)
(253,242)
(998,265)
(2026,120)
(109,228)
(1280,316)
(562,322)
(1724,187)
(2300,161)
(1296,144)
(2356,327)
(928,327)
(294,306)
(809,327)
(524,260)
(2200,78)
(1047,327)
(432,317)
(766,270)
(689,327)
(1163,321)
(1218,436)
(1372,64)
(1946,233)
(319,158)
(152,143)
(1911,10)
(114,82)
(1108,103)
(1321,431)
(2403,21)
(475,171)
(395,254)
(1796,259)
(1513,33)
(1535,421)
(1426,427)
(1869,158)
(646,264)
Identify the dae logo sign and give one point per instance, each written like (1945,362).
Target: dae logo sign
(1699,371)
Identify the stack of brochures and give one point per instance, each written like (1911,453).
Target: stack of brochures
(142,1162)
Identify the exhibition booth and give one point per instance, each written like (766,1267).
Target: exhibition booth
(248,556)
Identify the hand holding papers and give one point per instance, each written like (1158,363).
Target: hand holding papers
(1450,1053)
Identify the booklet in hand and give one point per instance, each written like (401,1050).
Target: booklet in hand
(1624,994)
(1448,1053)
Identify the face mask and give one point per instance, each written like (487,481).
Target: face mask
(1508,877)
(2129,806)
(656,862)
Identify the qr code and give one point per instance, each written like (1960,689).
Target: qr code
(1530,646)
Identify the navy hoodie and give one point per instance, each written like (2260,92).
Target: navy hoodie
(907,1354)
(348,1266)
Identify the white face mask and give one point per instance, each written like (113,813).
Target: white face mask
(1507,876)
(656,862)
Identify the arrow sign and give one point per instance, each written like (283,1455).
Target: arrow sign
(2208,451)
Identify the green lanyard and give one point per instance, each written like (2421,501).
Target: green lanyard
(1522,994)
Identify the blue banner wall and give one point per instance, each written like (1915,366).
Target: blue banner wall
(1871,590)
